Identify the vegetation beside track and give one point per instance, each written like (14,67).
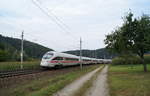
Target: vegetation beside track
(127,59)
(8,66)
(125,80)
(46,87)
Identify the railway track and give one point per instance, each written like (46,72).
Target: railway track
(5,74)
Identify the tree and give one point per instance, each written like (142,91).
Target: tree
(12,46)
(133,37)
(4,55)
(142,37)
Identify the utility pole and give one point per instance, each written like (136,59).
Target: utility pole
(80,53)
(21,66)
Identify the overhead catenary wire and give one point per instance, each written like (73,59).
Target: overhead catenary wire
(66,26)
(35,36)
(54,18)
(59,22)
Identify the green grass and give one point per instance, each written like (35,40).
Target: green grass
(16,65)
(125,80)
(46,87)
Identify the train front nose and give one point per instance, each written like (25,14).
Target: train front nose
(44,63)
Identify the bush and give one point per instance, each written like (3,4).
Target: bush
(147,58)
(126,60)
(4,55)
(130,60)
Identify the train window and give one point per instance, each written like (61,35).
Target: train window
(58,58)
(47,56)
(72,59)
(85,60)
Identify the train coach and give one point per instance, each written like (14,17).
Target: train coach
(57,59)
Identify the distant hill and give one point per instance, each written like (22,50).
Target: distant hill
(10,49)
(98,53)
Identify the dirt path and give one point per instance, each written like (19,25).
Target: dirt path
(73,87)
(100,87)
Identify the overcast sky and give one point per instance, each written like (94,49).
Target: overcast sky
(68,20)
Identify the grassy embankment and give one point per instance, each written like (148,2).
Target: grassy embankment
(16,65)
(46,87)
(127,81)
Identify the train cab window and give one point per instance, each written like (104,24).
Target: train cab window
(58,58)
(48,56)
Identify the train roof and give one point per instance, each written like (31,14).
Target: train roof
(73,56)
(68,55)
(63,54)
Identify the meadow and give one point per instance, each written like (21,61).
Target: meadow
(129,80)
(16,65)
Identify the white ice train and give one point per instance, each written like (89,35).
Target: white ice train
(57,59)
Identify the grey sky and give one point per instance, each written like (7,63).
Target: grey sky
(89,19)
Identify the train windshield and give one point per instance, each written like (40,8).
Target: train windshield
(47,56)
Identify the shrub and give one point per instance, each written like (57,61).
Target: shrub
(147,58)
(126,60)
(122,60)
(4,55)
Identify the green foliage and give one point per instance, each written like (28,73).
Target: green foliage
(132,37)
(4,55)
(126,60)
(2,46)
(123,60)
(147,59)
(11,46)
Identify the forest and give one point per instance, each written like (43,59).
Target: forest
(10,49)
